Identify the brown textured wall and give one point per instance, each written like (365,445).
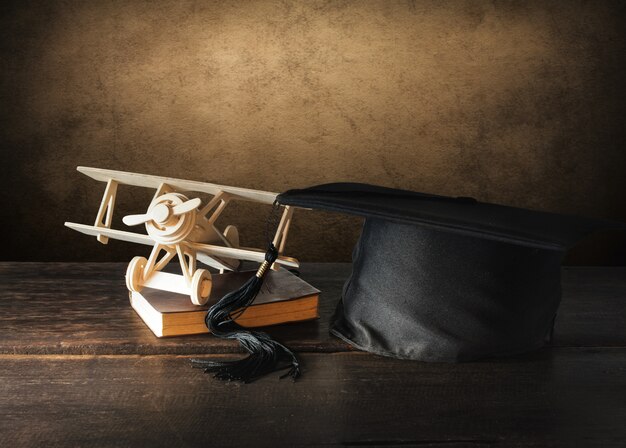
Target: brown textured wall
(518,103)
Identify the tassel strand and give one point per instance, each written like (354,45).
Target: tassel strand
(265,354)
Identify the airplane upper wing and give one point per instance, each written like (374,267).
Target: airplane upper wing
(131,237)
(146,180)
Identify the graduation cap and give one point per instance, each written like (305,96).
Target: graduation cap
(434,278)
(447,279)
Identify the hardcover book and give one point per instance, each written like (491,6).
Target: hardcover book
(284,297)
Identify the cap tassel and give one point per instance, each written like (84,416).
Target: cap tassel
(265,354)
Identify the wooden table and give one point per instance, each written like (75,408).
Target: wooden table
(79,368)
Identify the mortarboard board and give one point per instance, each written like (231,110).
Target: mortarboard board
(437,278)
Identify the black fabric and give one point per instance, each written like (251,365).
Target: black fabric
(447,279)
(424,294)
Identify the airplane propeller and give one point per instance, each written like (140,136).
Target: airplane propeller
(161,212)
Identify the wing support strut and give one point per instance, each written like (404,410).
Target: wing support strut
(105,213)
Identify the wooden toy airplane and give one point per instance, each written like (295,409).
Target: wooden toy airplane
(183,227)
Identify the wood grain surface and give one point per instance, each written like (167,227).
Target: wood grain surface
(78,368)
(560,397)
(83,308)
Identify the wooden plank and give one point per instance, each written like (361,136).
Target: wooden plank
(82,308)
(593,308)
(557,397)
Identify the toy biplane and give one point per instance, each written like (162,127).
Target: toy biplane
(183,227)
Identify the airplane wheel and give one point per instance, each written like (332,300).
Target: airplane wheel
(200,287)
(134,273)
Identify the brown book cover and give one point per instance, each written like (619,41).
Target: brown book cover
(284,297)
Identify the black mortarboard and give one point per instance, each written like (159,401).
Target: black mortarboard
(447,279)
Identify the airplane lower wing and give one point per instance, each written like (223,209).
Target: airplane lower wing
(122,235)
(140,238)
(212,255)
(217,263)
(240,254)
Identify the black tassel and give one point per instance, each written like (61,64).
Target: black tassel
(265,354)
